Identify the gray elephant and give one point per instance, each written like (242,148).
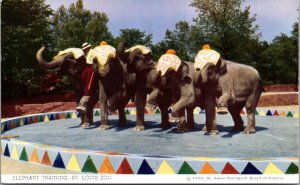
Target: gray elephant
(171,87)
(117,85)
(72,62)
(228,86)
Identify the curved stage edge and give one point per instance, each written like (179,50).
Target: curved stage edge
(88,161)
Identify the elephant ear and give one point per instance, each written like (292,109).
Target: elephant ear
(221,67)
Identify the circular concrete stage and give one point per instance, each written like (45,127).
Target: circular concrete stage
(55,139)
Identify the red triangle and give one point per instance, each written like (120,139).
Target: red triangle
(35,120)
(46,159)
(275,113)
(57,116)
(30,120)
(125,168)
(229,169)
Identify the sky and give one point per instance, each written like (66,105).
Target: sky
(156,16)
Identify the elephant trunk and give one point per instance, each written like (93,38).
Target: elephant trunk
(183,102)
(204,75)
(46,65)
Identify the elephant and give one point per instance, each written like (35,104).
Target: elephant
(72,63)
(228,86)
(172,87)
(117,85)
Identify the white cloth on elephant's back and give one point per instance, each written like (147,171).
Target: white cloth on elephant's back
(77,52)
(206,56)
(103,52)
(90,57)
(168,61)
(145,50)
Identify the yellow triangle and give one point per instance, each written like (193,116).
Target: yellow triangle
(165,168)
(272,169)
(21,122)
(296,115)
(73,164)
(262,113)
(133,112)
(46,119)
(14,153)
(74,115)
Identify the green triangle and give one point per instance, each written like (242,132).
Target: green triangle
(127,111)
(289,114)
(41,119)
(18,123)
(256,113)
(23,155)
(292,169)
(157,111)
(186,169)
(97,113)
(68,115)
(89,166)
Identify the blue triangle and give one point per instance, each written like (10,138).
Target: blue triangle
(5,127)
(145,168)
(250,169)
(51,117)
(78,114)
(170,110)
(26,122)
(269,113)
(58,163)
(6,151)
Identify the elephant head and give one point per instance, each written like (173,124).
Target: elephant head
(104,60)
(138,58)
(65,62)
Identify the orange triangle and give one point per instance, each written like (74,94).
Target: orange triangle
(34,157)
(207,169)
(106,167)
(62,116)
(282,113)
(125,168)
(46,159)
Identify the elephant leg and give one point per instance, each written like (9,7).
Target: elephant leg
(87,117)
(122,117)
(174,117)
(190,118)
(237,119)
(104,108)
(211,126)
(140,103)
(182,125)
(165,124)
(251,104)
(222,102)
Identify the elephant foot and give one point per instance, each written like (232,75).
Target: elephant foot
(85,125)
(182,128)
(139,128)
(104,127)
(238,128)
(165,125)
(191,126)
(173,119)
(212,132)
(222,110)
(249,130)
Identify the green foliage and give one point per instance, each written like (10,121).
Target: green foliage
(134,37)
(75,25)
(25,27)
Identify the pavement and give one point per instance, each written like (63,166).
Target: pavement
(275,137)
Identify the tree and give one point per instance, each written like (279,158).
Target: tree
(226,27)
(76,25)
(185,40)
(282,58)
(134,37)
(25,27)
